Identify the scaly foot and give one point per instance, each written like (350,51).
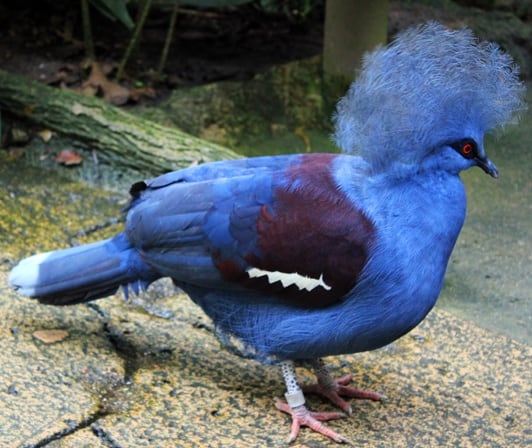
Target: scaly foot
(335,389)
(301,416)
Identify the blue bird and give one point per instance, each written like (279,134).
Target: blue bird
(304,256)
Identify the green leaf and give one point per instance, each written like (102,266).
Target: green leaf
(213,3)
(114,9)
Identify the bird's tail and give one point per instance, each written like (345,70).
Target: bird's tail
(82,273)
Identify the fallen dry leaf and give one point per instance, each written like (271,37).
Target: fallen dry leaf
(88,90)
(136,93)
(112,91)
(68,157)
(50,336)
(115,93)
(97,76)
(46,135)
(15,153)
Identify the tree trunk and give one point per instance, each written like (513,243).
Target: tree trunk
(121,138)
(351,28)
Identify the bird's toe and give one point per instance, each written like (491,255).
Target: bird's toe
(336,390)
(301,416)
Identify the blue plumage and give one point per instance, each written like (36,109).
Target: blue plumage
(430,86)
(304,256)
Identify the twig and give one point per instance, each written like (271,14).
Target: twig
(134,39)
(168,40)
(87,31)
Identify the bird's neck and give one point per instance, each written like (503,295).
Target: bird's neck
(418,219)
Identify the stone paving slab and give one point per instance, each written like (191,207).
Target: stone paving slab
(152,373)
(125,378)
(47,389)
(449,383)
(83,438)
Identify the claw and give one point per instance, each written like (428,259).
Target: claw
(334,389)
(338,389)
(327,386)
(301,416)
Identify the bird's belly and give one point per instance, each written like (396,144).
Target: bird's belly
(380,309)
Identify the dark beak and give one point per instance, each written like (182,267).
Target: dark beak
(488,166)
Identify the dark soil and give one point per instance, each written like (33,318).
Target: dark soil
(41,39)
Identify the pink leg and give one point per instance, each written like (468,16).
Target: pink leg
(301,416)
(335,389)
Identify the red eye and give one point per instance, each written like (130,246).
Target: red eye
(467,149)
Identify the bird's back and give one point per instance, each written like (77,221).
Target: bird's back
(379,247)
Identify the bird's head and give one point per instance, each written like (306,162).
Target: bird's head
(427,99)
(457,155)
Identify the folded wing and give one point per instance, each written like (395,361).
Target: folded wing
(280,228)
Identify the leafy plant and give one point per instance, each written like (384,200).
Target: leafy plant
(115,10)
(296,10)
(213,3)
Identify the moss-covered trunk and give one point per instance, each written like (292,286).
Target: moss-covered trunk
(121,139)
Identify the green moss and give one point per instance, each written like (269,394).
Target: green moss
(281,100)
(43,210)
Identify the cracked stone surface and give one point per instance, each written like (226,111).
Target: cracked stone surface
(47,389)
(152,373)
(125,378)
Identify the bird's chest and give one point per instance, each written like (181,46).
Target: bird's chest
(418,228)
(430,219)
(407,263)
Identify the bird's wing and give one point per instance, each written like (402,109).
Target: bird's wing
(282,227)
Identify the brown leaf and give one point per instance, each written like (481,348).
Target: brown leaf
(15,153)
(46,135)
(112,91)
(108,67)
(50,336)
(88,90)
(136,93)
(68,157)
(115,93)
(96,78)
